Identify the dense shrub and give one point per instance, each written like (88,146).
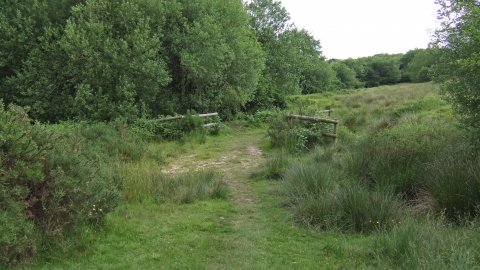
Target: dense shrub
(48,186)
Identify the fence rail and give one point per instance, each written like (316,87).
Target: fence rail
(316,119)
(181,116)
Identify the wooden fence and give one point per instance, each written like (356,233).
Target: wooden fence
(315,119)
(178,117)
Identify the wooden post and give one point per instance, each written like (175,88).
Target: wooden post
(335,131)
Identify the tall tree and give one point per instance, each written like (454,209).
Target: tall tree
(294,59)
(107,63)
(418,69)
(216,60)
(458,68)
(22,25)
(382,69)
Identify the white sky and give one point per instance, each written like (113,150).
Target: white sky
(358,28)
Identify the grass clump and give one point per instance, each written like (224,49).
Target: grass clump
(392,157)
(144,184)
(428,243)
(453,182)
(394,160)
(322,199)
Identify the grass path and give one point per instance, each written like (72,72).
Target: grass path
(252,230)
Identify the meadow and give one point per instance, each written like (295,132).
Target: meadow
(399,189)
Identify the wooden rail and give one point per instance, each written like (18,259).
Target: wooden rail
(327,111)
(316,119)
(181,116)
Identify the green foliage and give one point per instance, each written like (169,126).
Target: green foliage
(294,62)
(382,69)
(115,71)
(214,58)
(21,22)
(121,59)
(296,135)
(49,187)
(418,69)
(457,42)
(347,76)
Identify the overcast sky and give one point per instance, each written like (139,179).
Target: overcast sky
(357,28)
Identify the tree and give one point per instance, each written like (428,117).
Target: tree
(382,69)
(358,65)
(458,66)
(418,69)
(214,57)
(22,24)
(107,63)
(347,76)
(294,61)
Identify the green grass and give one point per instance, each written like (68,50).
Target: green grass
(263,224)
(214,234)
(250,230)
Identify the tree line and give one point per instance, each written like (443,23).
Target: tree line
(106,59)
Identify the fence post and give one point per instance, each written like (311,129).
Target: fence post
(335,131)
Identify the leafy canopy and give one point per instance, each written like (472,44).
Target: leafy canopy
(458,68)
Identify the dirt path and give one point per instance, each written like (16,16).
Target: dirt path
(236,162)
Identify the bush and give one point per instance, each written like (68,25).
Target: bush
(48,187)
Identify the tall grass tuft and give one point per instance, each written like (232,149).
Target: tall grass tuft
(392,158)
(322,198)
(145,183)
(453,181)
(428,244)
(276,164)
